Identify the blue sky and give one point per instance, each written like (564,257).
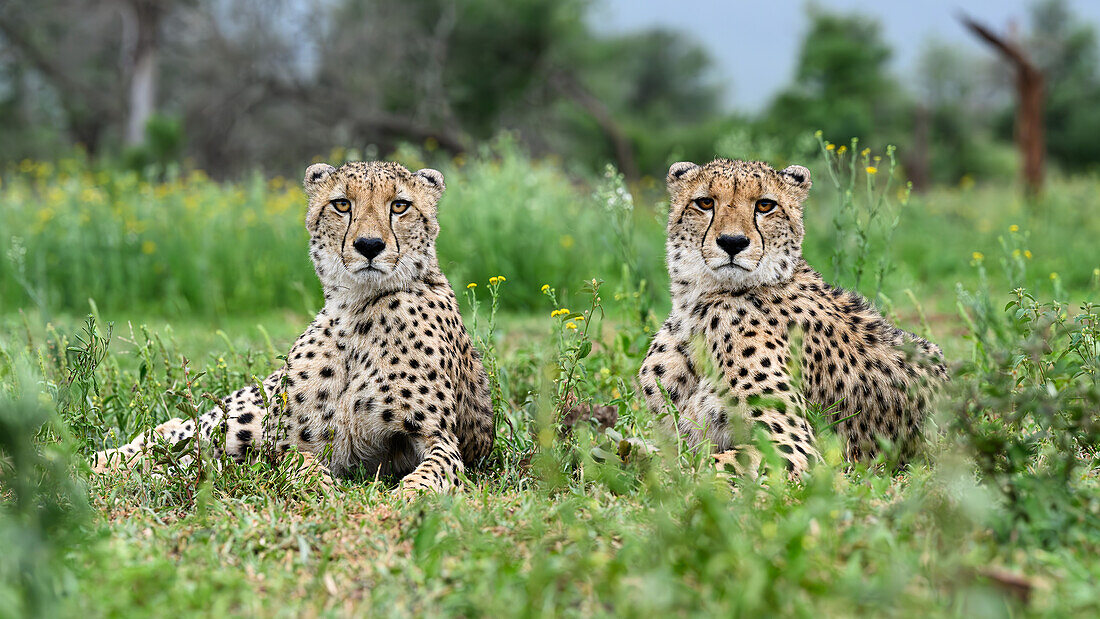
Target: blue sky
(755,43)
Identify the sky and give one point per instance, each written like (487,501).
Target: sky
(755,44)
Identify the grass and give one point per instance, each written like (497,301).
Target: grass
(1001,519)
(186,247)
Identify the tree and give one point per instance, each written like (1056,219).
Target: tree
(76,59)
(1065,49)
(1029,109)
(956,96)
(141,34)
(842,85)
(280,81)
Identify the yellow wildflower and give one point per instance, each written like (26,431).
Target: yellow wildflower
(1027,254)
(148,247)
(830,146)
(865,152)
(502,278)
(1014,228)
(471,285)
(872,170)
(1054,276)
(579,318)
(493,281)
(564,311)
(841,150)
(545,288)
(979,256)
(570,325)
(1016,253)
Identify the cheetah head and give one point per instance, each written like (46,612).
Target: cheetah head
(372,224)
(735,224)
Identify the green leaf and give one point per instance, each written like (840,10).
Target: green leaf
(182,445)
(584,349)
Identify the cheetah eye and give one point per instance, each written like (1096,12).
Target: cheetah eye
(400,206)
(342,205)
(765,205)
(704,203)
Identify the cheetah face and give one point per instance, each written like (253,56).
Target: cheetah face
(372,224)
(735,224)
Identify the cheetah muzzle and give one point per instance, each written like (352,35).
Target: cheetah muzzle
(741,288)
(384,381)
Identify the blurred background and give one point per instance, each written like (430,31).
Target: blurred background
(152,149)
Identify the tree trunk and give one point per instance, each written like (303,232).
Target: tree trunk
(144,19)
(919,161)
(1029,109)
(1029,126)
(567,84)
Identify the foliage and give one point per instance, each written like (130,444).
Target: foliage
(246,84)
(864,213)
(1026,402)
(841,83)
(187,246)
(43,507)
(1067,51)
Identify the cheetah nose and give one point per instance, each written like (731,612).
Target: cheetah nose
(733,244)
(369,247)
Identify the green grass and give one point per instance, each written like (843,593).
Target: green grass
(187,247)
(1001,519)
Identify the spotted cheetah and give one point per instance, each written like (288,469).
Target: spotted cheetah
(741,288)
(385,379)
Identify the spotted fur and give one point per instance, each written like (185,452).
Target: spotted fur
(875,379)
(385,379)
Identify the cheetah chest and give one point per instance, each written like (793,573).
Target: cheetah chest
(747,340)
(367,383)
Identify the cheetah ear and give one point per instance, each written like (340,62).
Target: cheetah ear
(315,175)
(432,180)
(798,177)
(678,173)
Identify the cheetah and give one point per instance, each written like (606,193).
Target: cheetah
(385,380)
(741,288)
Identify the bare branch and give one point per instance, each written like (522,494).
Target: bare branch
(1029,109)
(55,72)
(568,85)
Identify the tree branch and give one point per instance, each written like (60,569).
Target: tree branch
(53,71)
(568,85)
(1029,108)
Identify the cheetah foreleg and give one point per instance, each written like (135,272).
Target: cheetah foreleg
(716,417)
(439,470)
(136,452)
(310,470)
